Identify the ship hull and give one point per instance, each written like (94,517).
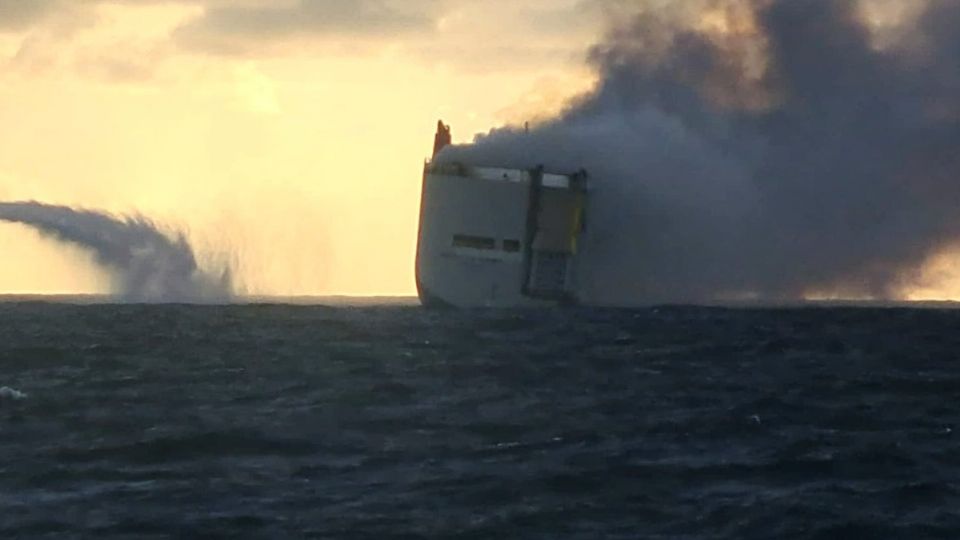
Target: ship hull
(488,238)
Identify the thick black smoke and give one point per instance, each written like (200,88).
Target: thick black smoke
(767,148)
(149,266)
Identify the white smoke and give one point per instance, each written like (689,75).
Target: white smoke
(149,265)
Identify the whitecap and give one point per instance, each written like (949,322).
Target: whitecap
(7,393)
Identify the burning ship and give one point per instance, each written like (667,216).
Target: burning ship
(495,237)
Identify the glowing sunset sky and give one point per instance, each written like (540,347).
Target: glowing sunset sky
(285,135)
(289,135)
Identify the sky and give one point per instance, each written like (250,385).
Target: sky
(286,136)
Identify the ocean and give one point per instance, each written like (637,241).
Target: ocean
(383,421)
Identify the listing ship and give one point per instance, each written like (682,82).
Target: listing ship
(494,237)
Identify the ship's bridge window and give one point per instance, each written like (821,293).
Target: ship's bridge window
(473,242)
(511,246)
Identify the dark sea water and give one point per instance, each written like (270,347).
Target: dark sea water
(381,422)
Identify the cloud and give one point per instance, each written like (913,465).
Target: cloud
(497,35)
(240,29)
(106,41)
(16,15)
(473,35)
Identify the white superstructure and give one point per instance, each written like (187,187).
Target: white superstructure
(493,237)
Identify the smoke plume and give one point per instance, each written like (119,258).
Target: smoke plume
(760,148)
(149,265)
